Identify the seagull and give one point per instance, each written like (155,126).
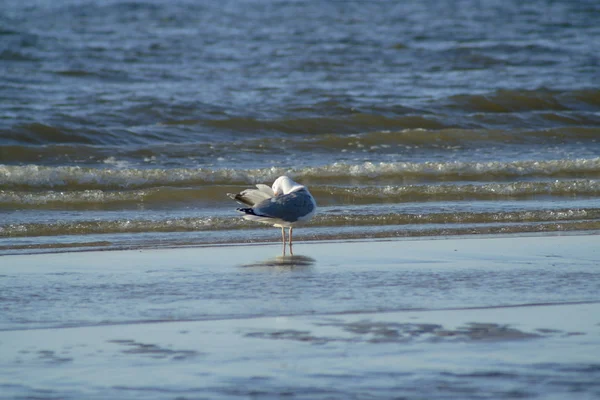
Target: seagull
(285,204)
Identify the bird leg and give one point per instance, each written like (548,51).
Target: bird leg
(290,238)
(283,240)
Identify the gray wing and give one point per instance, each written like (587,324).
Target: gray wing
(252,197)
(288,207)
(266,189)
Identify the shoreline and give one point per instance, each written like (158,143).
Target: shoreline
(55,248)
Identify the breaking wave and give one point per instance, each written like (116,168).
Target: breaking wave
(326,194)
(80,178)
(326,220)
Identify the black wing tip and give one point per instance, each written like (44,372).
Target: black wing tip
(250,211)
(247,211)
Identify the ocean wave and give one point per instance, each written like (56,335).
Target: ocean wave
(84,198)
(42,134)
(355,123)
(378,141)
(330,220)
(88,227)
(39,143)
(447,192)
(590,97)
(454,119)
(529,216)
(53,154)
(326,194)
(80,178)
(37,133)
(327,146)
(507,101)
(19,56)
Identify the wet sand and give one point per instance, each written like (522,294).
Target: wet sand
(465,318)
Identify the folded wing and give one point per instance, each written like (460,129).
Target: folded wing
(251,197)
(289,208)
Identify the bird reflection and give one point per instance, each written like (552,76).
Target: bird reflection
(284,262)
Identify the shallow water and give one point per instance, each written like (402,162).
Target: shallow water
(492,317)
(124,124)
(59,290)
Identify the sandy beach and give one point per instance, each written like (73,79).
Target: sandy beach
(431,318)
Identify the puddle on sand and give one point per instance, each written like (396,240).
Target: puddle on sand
(153,350)
(392,332)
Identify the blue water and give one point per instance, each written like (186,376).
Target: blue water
(113,112)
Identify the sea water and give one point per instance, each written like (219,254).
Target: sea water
(124,124)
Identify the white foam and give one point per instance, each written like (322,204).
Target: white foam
(101,178)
